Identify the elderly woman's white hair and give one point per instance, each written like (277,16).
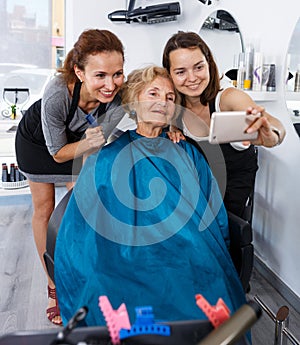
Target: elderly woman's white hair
(137,80)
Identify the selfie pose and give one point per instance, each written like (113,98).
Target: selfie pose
(145,224)
(195,75)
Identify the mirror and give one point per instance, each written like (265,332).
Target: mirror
(218,28)
(293,78)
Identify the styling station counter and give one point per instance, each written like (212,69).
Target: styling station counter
(8,129)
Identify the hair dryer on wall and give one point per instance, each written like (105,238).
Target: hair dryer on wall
(150,14)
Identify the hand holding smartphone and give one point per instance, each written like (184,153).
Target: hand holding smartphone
(231,126)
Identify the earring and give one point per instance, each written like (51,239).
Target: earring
(132,113)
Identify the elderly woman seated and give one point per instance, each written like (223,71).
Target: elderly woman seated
(146,224)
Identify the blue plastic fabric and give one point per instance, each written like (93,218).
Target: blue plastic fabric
(145,225)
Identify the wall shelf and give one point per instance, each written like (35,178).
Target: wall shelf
(292,96)
(295,119)
(263,95)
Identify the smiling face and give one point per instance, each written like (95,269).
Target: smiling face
(103,75)
(189,70)
(156,103)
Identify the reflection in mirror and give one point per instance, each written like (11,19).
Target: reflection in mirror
(218,28)
(293,78)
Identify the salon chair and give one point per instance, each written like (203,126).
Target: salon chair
(248,209)
(241,248)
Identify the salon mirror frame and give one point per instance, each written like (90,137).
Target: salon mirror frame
(292,86)
(220,25)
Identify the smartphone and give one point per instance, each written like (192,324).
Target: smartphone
(231,126)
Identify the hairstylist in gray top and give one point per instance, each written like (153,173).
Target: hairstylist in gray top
(55,104)
(46,149)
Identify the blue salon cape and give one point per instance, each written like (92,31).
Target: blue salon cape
(146,226)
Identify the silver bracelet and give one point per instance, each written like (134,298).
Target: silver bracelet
(278,132)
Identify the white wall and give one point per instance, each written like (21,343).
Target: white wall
(276,215)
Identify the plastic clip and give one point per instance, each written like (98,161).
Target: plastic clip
(115,319)
(145,324)
(216,314)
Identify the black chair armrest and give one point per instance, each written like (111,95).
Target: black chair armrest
(241,247)
(240,230)
(53,226)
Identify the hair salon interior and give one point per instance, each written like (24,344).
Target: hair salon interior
(271,29)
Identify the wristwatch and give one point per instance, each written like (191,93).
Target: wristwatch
(278,132)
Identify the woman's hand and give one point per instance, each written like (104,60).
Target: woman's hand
(175,134)
(267,136)
(93,141)
(95,138)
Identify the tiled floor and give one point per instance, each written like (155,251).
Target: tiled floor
(263,332)
(23,284)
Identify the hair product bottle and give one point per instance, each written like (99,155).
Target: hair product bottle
(235,67)
(257,71)
(4,172)
(248,68)
(271,84)
(297,80)
(12,172)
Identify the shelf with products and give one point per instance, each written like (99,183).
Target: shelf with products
(11,177)
(252,72)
